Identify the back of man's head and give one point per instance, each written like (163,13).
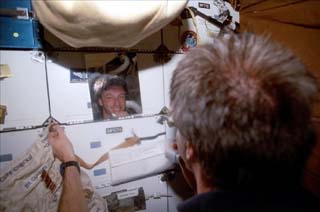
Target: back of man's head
(244,103)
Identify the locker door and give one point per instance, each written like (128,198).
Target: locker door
(24,93)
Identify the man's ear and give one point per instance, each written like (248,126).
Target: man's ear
(190,152)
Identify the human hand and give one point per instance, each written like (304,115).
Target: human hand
(61,145)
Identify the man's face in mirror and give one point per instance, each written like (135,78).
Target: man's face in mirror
(113,102)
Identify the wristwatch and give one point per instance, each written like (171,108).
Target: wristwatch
(64,165)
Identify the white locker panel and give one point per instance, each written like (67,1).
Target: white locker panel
(14,144)
(151,84)
(25,92)
(91,141)
(70,102)
(152,186)
(174,200)
(168,69)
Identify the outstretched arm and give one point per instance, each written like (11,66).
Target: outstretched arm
(72,198)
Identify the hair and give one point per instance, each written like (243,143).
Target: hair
(244,103)
(101,83)
(112,81)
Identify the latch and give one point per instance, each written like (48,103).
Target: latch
(3,113)
(19,13)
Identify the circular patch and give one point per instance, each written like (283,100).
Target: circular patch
(15,34)
(188,40)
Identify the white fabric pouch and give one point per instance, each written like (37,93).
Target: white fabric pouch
(109,23)
(32,182)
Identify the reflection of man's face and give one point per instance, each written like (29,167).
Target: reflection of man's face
(113,102)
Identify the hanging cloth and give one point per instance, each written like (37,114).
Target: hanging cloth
(105,23)
(32,182)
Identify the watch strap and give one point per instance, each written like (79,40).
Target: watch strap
(64,165)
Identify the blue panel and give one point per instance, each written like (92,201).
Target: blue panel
(99,172)
(6,157)
(12,4)
(18,33)
(95,144)
(37,40)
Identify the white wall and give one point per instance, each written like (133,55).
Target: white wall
(25,92)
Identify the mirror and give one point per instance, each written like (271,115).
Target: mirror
(102,86)
(114,85)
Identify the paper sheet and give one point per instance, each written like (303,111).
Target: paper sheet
(137,162)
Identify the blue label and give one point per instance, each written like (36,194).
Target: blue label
(95,144)
(6,157)
(99,172)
